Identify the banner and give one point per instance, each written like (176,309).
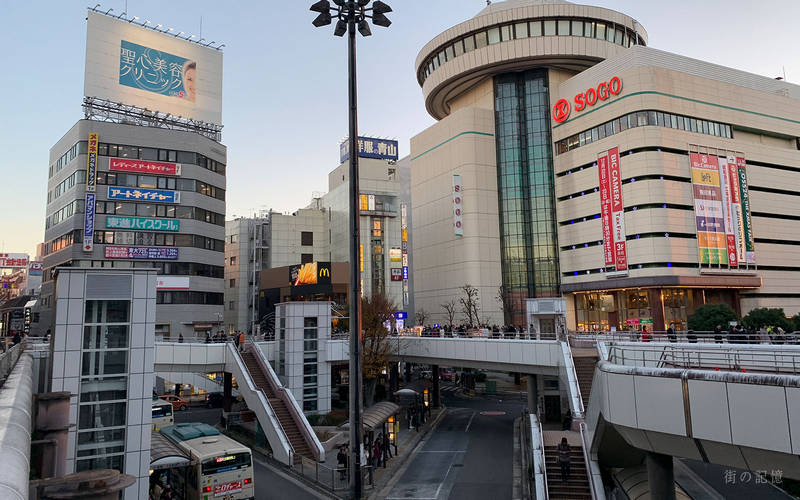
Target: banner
(136,253)
(143,223)
(457,202)
(727,210)
(139,194)
(605,209)
(144,166)
(617,211)
(88,223)
(711,236)
(750,254)
(91,163)
(736,208)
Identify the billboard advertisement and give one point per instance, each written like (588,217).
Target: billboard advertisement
(711,239)
(612,210)
(35,268)
(310,273)
(136,253)
(143,166)
(142,223)
(88,223)
(370,147)
(172,283)
(139,194)
(457,206)
(727,210)
(91,163)
(138,66)
(13,260)
(744,196)
(605,209)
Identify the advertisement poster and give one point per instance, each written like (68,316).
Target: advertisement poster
(142,223)
(35,268)
(605,209)
(457,206)
(736,207)
(370,147)
(617,211)
(310,273)
(157,71)
(139,194)
(709,215)
(144,166)
(91,163)
(88,223)
(744,195)
(136,253)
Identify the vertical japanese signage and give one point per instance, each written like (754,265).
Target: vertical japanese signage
(605,209)
(736,207)
(91,163)
(457,206)
(710,219)
(404,248)
(727,212)
(88,223)
(744,195)
(617,211)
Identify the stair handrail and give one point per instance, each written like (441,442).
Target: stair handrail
(263,398)
(539,458)
(291,403)
(588,462)
(576,401)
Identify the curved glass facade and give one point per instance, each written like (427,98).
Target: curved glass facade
(528,239)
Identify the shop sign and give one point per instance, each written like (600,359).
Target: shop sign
(612,210)
(590,97)
(172,283)
(13,260)
(397,274)
(142,223)
(457,205)
(744,195)
(405,273)
(88,223)
(645,321)
(605,209)
(632,321)
(144,166)
(91,163)
(143,253)
(139,194)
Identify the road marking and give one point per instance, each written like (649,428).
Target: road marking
(470,422)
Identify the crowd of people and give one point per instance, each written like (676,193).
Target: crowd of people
(468,330)
(376,453)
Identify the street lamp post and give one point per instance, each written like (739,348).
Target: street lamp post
(352,15)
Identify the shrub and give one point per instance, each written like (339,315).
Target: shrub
(765,316)
(708,316)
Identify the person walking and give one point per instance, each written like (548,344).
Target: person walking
(564,453)
(376,452)
(718,334)
(180,338)
(387,448)
(241,341)
(17,338)
(671,335)
(645,334)
(341,460)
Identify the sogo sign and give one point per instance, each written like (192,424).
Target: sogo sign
(603,91)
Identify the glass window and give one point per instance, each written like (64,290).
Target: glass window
(101,415)
(610,34)
(600,33)
(148,181)
(563,27)
(469,44)
(449,52)
(306,238)
(480,40)
(105,337)
(112,150)
(536,28)
(106,311)
(577,28)
(550,27)
(172,156)
(104,362)
(494,35)
(505,32)
(521,30)
(442,58)
(618,37)
(459,48)
(146,210)
(588,29)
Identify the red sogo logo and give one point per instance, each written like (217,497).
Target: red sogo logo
(561,110)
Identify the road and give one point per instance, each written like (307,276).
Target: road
(469,456)
(201,414)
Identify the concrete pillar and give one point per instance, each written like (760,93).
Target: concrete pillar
(408,371)
(394,380)
(660,476)
(533,393)
(437,401)
(227,391)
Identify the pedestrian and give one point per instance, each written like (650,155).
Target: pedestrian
(387,447)
(566,425)
(376,452)
(241,341)
(718,334)
(671,335)
(208,338)
(17,338)
(180,338)
(645,334)
(341,460)
(564,453)
(691,337)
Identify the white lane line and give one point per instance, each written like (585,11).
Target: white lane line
(470,421)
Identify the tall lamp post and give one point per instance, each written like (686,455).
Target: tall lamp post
(352,15)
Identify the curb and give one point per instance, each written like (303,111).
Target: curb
(396,472)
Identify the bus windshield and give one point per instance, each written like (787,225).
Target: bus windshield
(226,463)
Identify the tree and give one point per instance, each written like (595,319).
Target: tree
(450,310)
(764,316)
(375,348)
(708,316)
(470,303)
(507,303)
(796,322)
(422,317)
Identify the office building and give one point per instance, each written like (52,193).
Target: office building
(635,183)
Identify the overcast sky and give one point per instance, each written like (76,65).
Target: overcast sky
(285,89)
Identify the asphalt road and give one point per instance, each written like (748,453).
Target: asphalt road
(203,415)
(469,456)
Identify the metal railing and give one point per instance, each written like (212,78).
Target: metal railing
(692,337)
(756,358)
(333,479)
(576,401)
(8,360)
(587,460)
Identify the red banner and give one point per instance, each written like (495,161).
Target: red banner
(617,211)
(605,209)
(144,166)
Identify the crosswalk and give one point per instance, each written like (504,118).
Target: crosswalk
(449,388)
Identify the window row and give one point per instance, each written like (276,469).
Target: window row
(158,239)
(154,182)
(207,298)
(642,119)
(62,242)
(188,269)
(159,210)
(607,31)
(138,153)
(76,207)
(77,177)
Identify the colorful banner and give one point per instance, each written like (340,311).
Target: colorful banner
(91,163)
(136,253)
(457,206)
(617,211)
(138,194)
(144,166)
(727,209)
(711,235)
(88,223)
(744,195)
(143,223)
(736,206)
(605,209)
(156,71)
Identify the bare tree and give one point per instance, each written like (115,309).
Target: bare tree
(450,311)
(507,304)
(375,346)
(422,316)
(470,303)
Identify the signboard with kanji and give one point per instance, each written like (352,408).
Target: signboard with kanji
(13,260)
(370,147)
(142,223)
(136,253)
(139,194)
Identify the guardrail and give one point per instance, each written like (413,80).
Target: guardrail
(539,464)
(8,360)
(590,476)
(754,358)
(331,479)
(576,401)
(691,337)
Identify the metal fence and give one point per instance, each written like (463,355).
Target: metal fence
(7,361)
(692,337)
(333,479)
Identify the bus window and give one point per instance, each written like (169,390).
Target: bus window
(226,463)
(162,414)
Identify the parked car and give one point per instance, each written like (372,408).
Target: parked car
(215,400)
(177,403)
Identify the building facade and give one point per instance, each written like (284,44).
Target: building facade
(159,203)
(635,183)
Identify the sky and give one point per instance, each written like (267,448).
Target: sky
(285,86)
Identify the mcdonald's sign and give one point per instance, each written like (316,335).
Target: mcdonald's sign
(311,273)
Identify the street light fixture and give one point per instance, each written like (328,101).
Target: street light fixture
(352,14)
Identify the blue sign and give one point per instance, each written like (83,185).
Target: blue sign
(138,194)
(158,72)
(369,147)
(88,223)
(405,272)
(401,315)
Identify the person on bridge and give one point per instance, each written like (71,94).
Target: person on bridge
(645,334)
(564,453)
(180,338)
(241,341)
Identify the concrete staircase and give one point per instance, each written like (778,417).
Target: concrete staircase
(584,370)
(290,427)
(577,487)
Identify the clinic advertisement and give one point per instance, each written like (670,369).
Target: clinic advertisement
(137,253)
(88,223)
(157,71)
(143,166)
(750,254)
(709,216)
(91,163)
(139,194)
(605,209)
(727,209)
(617,211)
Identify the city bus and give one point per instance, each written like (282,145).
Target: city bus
(224,467)
(162,414)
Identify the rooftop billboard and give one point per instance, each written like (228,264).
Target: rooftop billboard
(141,67)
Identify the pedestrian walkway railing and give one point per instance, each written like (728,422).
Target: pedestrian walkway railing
(7,361)
(576,401)
(592,469)
(538,458)
(726,357)
(333,479)
(580,339)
